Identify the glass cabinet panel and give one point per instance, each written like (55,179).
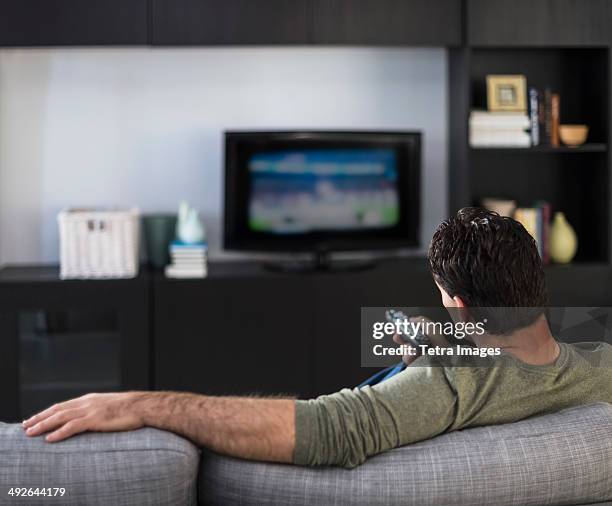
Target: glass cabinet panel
(64,354)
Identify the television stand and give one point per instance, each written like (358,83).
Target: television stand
(320,262)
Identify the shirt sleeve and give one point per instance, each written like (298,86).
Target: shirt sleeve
(347,427)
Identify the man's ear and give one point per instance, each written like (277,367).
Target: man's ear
(462,310)
(458,301)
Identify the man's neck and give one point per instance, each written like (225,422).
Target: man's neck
(533,345)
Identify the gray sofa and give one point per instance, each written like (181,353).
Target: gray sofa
(562,458)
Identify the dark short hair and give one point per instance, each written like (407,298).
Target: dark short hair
(490,260)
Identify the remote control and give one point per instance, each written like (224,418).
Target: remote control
(393,316)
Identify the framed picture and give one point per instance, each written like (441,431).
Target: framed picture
(507,93)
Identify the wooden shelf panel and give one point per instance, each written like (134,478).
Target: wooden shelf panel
(586,148)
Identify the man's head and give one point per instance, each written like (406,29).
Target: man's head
(481,259)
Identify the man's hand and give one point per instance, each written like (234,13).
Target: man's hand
(93,412)
(434,339)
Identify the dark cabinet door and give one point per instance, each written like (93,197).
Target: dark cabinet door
(295,334)
(200,22)
(387,22)
(539,22)
(73,22)
(235,335)
(63,339)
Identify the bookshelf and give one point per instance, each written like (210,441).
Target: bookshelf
(574,180)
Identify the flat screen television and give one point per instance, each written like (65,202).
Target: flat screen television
(321,191)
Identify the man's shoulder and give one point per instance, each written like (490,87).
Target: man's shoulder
(597,353)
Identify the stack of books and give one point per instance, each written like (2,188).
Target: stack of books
(544,116)
(499,129)
(536,221)
(187,260)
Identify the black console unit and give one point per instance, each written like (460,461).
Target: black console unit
(242,330)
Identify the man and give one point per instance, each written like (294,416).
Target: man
(478,259)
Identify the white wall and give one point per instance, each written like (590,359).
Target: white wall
(144,126)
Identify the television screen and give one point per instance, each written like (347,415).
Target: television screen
(297,192)
(300,191)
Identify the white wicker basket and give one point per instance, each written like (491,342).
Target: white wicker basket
(99,244)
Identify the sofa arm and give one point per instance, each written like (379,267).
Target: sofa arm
(146,466)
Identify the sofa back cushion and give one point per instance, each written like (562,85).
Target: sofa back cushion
(555,459)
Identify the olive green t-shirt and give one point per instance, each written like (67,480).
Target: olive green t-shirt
(427,399)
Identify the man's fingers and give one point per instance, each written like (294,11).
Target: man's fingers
(56,408)
(53,421)
(67,430)
(434,339)
(41,416)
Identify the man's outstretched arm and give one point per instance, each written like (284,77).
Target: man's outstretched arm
(245,427)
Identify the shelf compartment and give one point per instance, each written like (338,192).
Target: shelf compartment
(575,185)
(580,76)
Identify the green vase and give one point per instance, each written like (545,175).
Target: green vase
(159,232)
(563,242)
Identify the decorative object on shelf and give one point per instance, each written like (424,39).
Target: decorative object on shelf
(573,135)
(189,228)
(99,243)
(499,129)
(189,260)
(563,242)
(507,93)
(159,232)
(189,252)
(503,207)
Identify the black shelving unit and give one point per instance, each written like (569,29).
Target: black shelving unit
(575,180)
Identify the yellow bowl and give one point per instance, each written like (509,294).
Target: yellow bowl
(573,135)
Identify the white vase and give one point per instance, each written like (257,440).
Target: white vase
(189,228)
(563,242)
